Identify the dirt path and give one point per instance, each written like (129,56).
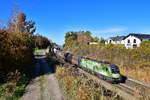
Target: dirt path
(52,89)
(43,87)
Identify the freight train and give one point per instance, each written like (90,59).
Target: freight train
(104,70)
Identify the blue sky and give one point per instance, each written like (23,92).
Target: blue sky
(104,18)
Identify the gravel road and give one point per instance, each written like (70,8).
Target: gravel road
(43,87)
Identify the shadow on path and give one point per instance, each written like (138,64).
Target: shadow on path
(51,90)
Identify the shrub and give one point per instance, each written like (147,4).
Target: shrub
(16,46)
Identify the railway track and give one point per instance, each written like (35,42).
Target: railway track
(139,87)
(120,90)
(130,90)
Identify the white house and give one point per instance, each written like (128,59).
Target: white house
(115,40)
(134,40)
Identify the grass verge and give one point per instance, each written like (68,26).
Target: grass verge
(77,86)
(13,90)
(36,51)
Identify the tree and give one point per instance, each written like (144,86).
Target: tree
(41,42)
(70,38)
(95,39)
(102,40)
(17,22)
(77,37)
(1,24)
(82,39)
(88,35)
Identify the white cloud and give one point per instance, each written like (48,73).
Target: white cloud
(111,30)
(146,33)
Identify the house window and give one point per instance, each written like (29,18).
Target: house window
(134,41)
(128,41)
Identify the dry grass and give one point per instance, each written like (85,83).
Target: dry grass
(139,74)
(77,86)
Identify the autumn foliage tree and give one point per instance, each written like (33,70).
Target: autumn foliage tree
(82,39)
(41,42)
(102,40)
(75,38)
(16,45)
(70,38)
(20,24)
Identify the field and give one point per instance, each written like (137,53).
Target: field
(37,51)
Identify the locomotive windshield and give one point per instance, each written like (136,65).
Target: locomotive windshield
(114,69)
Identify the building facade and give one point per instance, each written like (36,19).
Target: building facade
(115,40)
(130,41)
(134,40)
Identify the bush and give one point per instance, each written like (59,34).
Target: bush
(16,57)
(16,52)
(16,46)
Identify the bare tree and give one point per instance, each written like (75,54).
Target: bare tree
(17,22)
(12,21)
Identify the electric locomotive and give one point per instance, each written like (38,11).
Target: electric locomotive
(104,70)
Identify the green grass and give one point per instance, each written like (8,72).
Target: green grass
(38,51)
(14,90)
(2,90)
(7,92)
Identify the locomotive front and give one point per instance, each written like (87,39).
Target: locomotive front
(115,73)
